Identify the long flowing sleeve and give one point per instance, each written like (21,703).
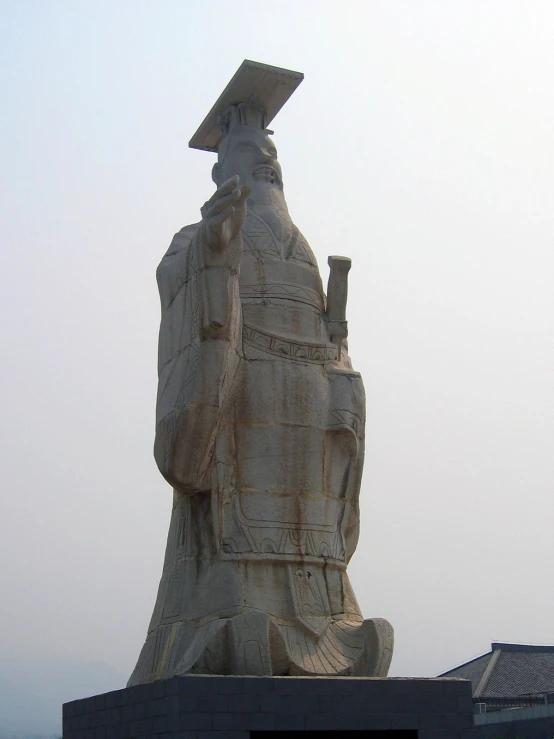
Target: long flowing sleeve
(198,356)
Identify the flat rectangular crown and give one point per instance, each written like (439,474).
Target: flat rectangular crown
(254,84)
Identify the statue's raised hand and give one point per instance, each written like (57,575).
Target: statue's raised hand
(224,214)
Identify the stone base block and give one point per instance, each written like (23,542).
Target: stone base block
(206,707)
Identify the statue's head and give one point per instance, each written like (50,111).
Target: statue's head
(236,128)
(248,151)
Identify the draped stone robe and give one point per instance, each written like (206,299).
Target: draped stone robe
(260,430)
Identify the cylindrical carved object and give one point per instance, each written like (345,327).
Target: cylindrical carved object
(337,295)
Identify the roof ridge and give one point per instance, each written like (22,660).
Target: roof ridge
(480,689)
(463,664)
(517,647)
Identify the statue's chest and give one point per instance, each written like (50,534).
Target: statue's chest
(276,242)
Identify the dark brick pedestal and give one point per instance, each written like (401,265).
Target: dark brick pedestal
(203,707)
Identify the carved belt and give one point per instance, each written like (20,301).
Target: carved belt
(301,351)
(284,291)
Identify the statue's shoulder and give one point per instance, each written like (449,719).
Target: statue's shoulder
(178,248)
(182,239)
(172,271)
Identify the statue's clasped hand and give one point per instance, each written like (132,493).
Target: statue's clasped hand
(224,214)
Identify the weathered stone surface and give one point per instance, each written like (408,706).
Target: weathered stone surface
(260,431)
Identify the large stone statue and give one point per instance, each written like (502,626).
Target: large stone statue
(260,428)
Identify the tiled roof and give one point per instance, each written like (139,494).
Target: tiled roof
(509,671)
(472,670)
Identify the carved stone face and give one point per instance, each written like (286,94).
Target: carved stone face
(250,153)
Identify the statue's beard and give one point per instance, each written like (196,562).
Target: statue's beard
(268,203)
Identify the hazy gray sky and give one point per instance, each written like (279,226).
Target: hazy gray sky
(421,145)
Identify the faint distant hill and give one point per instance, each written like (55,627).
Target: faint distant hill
(23,713)
(32,692)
